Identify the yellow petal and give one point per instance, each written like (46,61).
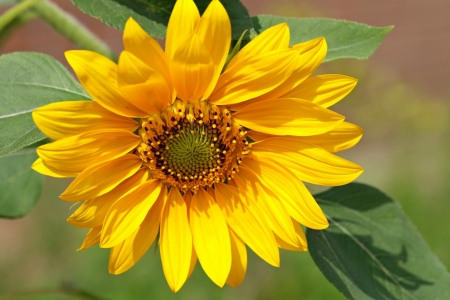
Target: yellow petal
(63,119)
(175,241)
(340,138)
(142,85)
(182,23)
(188,199)
(324,90)
(101,178)
(76,153)
(311,55)
(246,220)
(193,262)
(126,254)
(273,38)
(98,75)
(192,69)
(238,261)
(303,246)
(275,214)
(92,212)
(253,76)
(210,237)
(214,30)
(257,136)
(128,212)
(288,117)
(147,49)
(92,238)
(310,163)
(40,167)
(292,192)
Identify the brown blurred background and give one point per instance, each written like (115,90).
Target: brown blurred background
(401,101)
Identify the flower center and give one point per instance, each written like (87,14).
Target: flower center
(192,145)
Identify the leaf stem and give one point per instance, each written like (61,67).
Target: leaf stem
(68,26)
(15,11)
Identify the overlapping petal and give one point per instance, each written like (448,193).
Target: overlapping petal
(147,49)
(98,75)
(64,119)
(126,254)
(247,221)
(142,85)
(76,153)
(254,76)
(292,192)
(273,38)
(324,90)
(182,23)
(214,30)
(288,116)
(41,167)
(310,163)
(311,55)
(274,212)
(188,199)
(127,213)
(93,211)
(340,138)
(238,261)
(192,69)
(101,178)
(303,246)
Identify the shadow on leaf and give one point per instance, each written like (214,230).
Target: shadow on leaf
(378,273)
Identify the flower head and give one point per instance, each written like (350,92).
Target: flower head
(178,150)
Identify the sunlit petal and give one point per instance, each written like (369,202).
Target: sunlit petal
(101,178)
(92,212)
(126,254)
(246,220)
(238,261)
(64,119)
(182,23)
(210,235)
(127,213)
(175,241)
(288,116)
(324,90)
(98,75)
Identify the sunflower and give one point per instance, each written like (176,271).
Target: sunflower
(199,154)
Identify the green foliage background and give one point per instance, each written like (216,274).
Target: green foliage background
(39,251)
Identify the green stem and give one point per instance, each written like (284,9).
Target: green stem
(17,22)
(15,11)
(69,27)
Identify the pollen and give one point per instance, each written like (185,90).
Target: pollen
(192,145)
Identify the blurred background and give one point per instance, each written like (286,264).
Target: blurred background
(402,101)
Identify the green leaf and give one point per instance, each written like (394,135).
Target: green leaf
(20,186)
(372,251)
(345,39)
(153,15)
(28,81)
